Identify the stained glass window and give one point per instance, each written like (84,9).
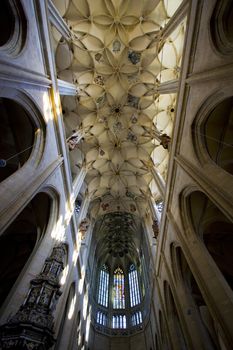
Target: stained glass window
(101,318)
(103,286)
(118,289)
(114,285)
(134,286)
(119,321)
(136,318)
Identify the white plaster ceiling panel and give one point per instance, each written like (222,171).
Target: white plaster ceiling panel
(61,5)
(117,58)
(171,54)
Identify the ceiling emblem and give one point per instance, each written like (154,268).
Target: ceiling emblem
(116,46)
(133,101)
(99,80)
(134,57)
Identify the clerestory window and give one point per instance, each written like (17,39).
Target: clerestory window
(134,291)
(119,298)
(119,321)
(136,318)
(118,289)
(103,286)
(101,318)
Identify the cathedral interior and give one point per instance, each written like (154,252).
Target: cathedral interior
(116,174)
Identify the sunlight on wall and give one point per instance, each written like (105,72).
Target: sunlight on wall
(75,256)
(68,213)
(72,201)
(57,103)
(81,281)
(87,331)
(79,339)
(64,275)
(79,236)
(85,304)
(72,308)
(58,232)
(47,107)
(80,285)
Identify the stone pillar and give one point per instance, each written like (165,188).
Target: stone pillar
(198,332)
(176,335)
(32,326)
(154,211)
(149,165)
(83,210)
(78,181)
(209,279)
(159,181)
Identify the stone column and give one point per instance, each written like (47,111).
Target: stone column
(174,327)
(198,332)
(78,181)
(209,279)
(159,181)
(83,210)
(154,211)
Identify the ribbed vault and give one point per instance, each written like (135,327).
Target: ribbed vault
(118,58)
(118,238)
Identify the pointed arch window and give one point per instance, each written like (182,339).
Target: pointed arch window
(103,286)
(134,291)
(118,289)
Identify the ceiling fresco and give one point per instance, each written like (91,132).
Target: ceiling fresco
(119,57)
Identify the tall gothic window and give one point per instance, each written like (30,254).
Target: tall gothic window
(134,286)
(118,289)
(103,286)
(124,297)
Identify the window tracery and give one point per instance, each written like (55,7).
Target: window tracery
(119,321)
(134,287)
(136,318)
(118,289)
(119,298)
(103,286)
(101,318)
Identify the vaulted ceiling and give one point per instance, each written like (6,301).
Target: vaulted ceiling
(118,57)
(118,239)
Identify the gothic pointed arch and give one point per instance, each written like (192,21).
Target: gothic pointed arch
(221,27)
(22,132)
(203,219)
(21,239)
(212,131)
(13,27)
